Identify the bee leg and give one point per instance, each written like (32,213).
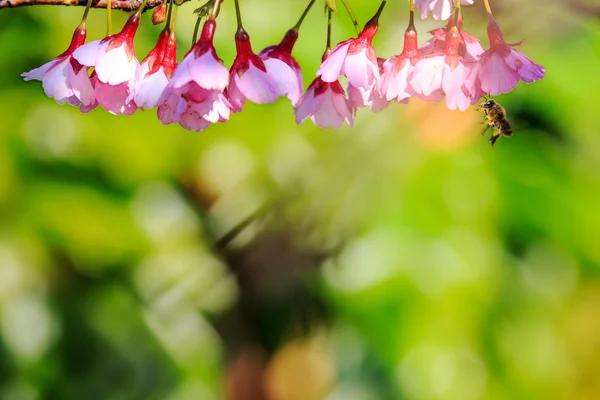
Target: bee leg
(485,129)
(493,138)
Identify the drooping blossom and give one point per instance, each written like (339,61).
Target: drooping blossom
(116,67)
(326,105)
(373,99)
(446,72)
(501,66)
(440,9)
(156,71)
(469,47)
(64,79)
(258,79)
(397,70)
(284,67)
(355,59)
(194,97)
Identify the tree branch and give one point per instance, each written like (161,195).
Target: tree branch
(125,5)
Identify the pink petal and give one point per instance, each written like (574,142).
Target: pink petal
(113,98)
(360,71)
(285,78)
(38,73)
(495,75)
(89,52)
(114,66)
(55,82)
(307,104)
(394,86)
(331,68)
(208,72)
(427,75)
(182,75)
(257,86)
(528,70)
(235,96)
(148,91)
(452,84)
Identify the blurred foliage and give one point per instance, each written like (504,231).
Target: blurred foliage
(399,259)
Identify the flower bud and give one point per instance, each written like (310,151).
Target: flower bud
(159,14)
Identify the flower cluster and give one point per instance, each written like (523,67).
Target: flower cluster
(200,90)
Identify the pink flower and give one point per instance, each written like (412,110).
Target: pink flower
(441,9)
(156,71)
(64,78)
(284,67)
(194,97)
(355,59)
(326,105)
(372,98)
(501,66)
(258,79)
(116,67)
(397,71)
(469,47)
(445,71)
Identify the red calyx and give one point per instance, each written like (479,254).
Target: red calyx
(245,55)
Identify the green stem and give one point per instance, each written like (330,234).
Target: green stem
(216,9)
(196,28)
(379,10)
(306,10)
(352,17)
(238,15)
(139,10)
(488,9)
(108,17)
(169,11)
(328,46)
(87,9)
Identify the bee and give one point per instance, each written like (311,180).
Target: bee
(495,117)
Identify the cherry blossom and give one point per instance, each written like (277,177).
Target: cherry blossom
(355,59)
(440,9)
(289,73)
(397,70)
(258,79)
(326,105)
(445,71)
(116,67)
(156,71)
(194,97)
(469,47)
(64,78)
(501,66)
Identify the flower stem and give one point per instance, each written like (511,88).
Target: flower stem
(379,10)
(215,10)
(352,17)
(488,9)
(108,17)
(169,12)
(306,10)
(238,15)
(328,45)
(456,12)
(139,10)
(196,28)
(411,17)
(87,9)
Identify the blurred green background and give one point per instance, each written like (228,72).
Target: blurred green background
(400,259)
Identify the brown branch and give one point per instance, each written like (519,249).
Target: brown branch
(125,5)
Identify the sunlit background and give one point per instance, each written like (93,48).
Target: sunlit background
(403,258)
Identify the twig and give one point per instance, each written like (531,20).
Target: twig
(125,5)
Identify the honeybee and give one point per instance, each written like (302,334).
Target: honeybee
(495,117)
